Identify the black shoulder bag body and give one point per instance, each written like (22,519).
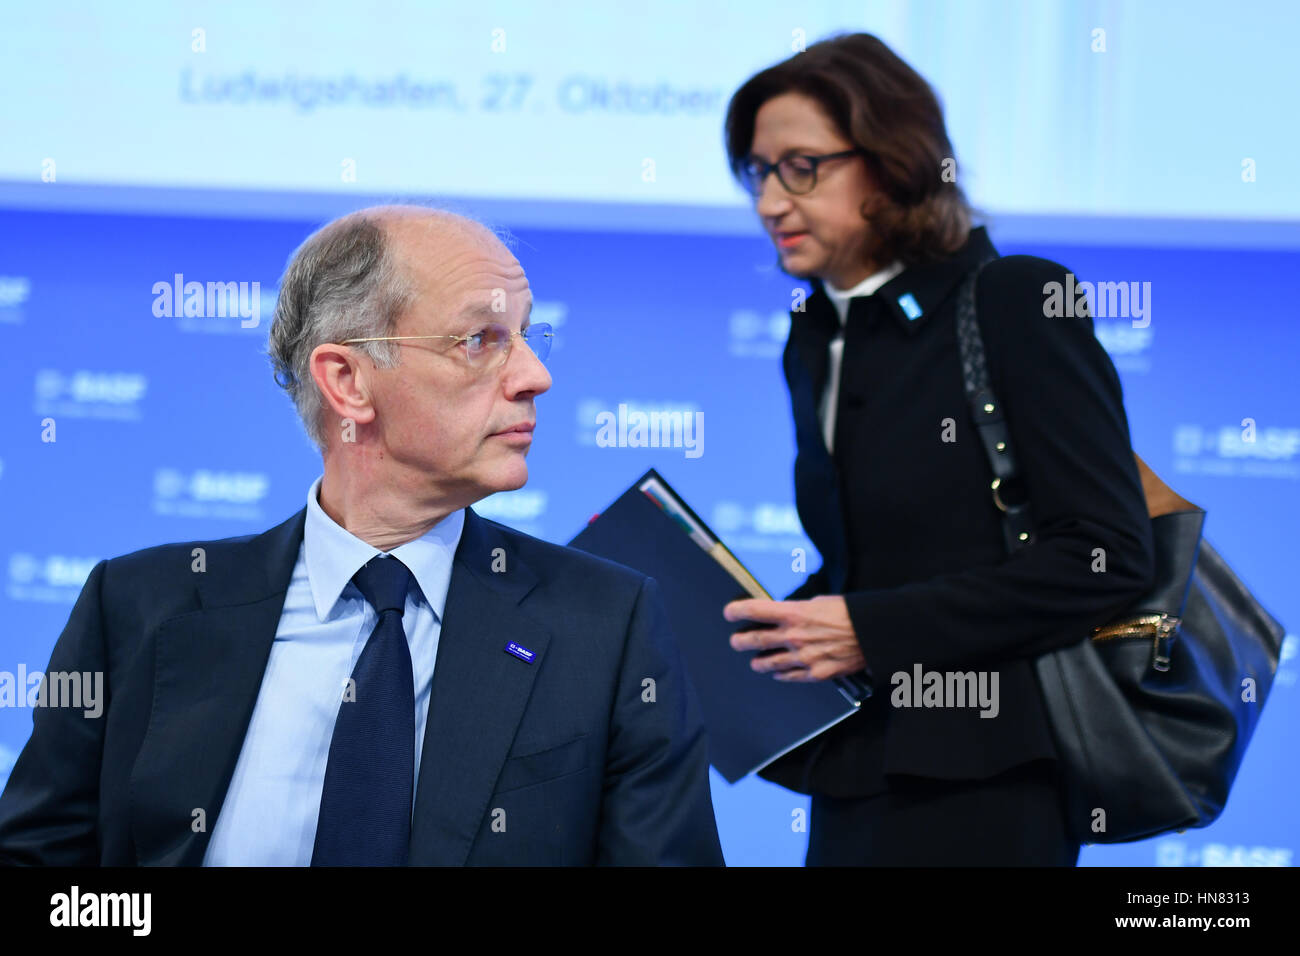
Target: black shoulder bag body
(1151,715)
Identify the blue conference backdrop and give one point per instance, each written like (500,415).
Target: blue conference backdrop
(132,423)
(155,144)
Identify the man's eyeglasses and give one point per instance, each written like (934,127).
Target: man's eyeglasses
(488,347)
(798,174)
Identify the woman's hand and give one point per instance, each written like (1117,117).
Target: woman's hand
(815,638)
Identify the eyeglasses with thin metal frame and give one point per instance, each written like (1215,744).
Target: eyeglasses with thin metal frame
(797,174)
(488,347)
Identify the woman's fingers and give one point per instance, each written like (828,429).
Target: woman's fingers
(774,663)
(761,639)
(756,609)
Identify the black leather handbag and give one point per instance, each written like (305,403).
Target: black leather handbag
(1152,715)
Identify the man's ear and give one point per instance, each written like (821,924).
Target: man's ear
(343,377)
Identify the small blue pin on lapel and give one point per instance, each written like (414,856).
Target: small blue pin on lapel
(909,306)
(521,652)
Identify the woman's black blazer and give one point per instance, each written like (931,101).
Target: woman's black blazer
(903,516)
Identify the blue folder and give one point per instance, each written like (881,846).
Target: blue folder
(751,718)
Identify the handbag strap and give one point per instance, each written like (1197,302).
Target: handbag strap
(1007,488)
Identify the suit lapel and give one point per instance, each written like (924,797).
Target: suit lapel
(817,492)
(479,693)
(208,669)
(209,666)
(811,332)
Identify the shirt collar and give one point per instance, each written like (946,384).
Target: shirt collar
(334,555)
(840,299)
(912,295)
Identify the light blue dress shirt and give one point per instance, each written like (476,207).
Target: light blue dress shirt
(270,810)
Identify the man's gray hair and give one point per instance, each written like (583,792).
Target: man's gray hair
(342,283)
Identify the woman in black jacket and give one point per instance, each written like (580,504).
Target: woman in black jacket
(844,149)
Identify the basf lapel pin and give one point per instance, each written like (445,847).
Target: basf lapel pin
(521,652)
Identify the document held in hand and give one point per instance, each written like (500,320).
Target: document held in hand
(751,718)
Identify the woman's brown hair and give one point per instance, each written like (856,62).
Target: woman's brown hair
(886,109)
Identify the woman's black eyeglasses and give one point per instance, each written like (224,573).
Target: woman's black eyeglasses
(798,174)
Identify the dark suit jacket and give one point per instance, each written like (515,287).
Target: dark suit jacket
(585,770)
(906,524)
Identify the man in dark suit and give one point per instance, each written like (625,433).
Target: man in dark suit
(384,678)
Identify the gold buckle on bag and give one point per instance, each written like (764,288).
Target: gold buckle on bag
(1159,628)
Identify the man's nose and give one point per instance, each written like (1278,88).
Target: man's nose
(525,372)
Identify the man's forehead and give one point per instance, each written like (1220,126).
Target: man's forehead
(444,310)
(496,303)
(495,284)
(460,264)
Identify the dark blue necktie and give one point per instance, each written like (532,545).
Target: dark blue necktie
(365,806)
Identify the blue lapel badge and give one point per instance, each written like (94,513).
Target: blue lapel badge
(521,652)
(909,306)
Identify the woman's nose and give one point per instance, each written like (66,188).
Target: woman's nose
(772,200)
